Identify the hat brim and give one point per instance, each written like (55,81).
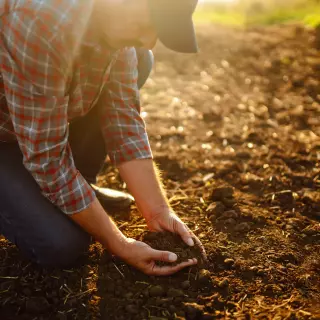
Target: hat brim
(176,32)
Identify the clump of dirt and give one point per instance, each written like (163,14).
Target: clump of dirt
(172,242)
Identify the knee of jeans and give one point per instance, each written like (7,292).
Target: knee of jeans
(62,251)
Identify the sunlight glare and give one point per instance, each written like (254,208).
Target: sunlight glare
(217,1)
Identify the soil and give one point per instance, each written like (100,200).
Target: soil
(173,242)
(235,131)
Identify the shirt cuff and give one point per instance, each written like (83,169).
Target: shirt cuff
(134,148)
(74,197)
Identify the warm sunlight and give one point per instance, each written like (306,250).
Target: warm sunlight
(217,1)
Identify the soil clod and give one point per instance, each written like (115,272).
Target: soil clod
(215,209)
(174,293)
(156,291)
(219,194)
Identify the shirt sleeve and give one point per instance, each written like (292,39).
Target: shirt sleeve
(123,128)
(34,65)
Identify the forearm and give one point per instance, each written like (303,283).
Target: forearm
(143,180)
(96,222)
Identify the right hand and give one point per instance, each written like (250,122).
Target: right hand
(143,257)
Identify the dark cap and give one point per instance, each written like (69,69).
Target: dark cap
(173,23)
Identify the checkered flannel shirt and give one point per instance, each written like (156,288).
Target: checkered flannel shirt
(52,72)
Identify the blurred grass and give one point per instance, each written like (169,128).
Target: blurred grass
(209,15)
(309,14)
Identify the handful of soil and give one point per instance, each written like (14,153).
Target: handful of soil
(168,241)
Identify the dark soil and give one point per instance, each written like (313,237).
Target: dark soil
(235,131)
(168,241)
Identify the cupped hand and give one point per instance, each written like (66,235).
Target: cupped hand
(167,220)
(143,257)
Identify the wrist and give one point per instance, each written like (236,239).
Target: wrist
(116,244)
(154,209)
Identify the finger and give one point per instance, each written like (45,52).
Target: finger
(200,246)
(168,270)
(165,256)
(184,233)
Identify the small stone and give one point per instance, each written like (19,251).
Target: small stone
(185,284)
(174,293)
(156,291)
(242,227)
(285,197)
(37,304)
(159,301)
(193,311)
(254,181)
(230,222)
(230,214)
(145,292)
(261,272)
(243,155)
(131,308)
(220,193)
(223,283)
(272,289)
(282,268)
(261,220)
(128,295)
(215,209)
(172,308)
(229,261)
(229,202)
(204,277)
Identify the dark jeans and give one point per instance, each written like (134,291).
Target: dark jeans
(40,230)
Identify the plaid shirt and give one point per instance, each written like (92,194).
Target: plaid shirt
(51,72)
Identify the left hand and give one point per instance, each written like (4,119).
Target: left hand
(166,220)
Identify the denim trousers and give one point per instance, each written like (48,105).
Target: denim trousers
(43,233)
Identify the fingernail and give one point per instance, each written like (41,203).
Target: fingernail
(172,257)
(190,242)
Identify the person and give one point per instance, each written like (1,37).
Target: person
(70,78)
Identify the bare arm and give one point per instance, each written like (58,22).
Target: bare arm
(96,222)
(143,180)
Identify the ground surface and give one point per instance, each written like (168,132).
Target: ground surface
(244,113)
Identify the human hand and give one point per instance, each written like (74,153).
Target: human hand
(143,257)
(166,219)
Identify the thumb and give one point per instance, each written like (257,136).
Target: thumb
(185,234)
(165,256)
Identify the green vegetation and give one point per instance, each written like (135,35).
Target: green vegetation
(260,13)
(305,15)
(209,14)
